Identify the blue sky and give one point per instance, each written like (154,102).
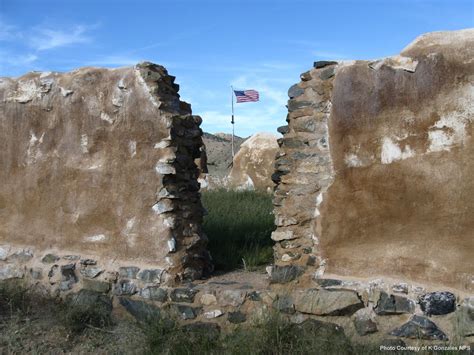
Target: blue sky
(210,45)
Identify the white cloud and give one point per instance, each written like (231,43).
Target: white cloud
(47,38)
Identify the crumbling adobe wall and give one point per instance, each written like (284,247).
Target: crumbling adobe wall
(99,165)
(375,168)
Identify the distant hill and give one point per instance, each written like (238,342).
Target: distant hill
(253,162)
(219,153)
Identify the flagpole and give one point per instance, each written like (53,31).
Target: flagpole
(232,121)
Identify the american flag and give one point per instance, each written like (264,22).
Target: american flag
(246,95)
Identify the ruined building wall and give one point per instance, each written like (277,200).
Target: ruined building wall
(375,167)
(99,165)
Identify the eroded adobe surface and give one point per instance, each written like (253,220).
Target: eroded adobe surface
(101,164)
(375,167)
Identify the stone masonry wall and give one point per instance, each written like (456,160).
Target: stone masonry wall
(98,179)
(374,169)
(304,170)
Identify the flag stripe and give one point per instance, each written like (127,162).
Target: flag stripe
(246,95)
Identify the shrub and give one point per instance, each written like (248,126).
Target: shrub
(15,298)
(165,336)
(87,308)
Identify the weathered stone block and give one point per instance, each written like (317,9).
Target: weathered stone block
(295,91)
(327,73)
(140,310)
(306,76)
(232,298)
(213,314)
(328,282)
(283,235)
(68,277)
(285,274)
(185,312)
(437,303)
(183,295)
(4,250)
(91,271)
(282,129)
(11,271)
(129,272)
(294,105)
(323,63)
(324,302)
(50,258)
(22,256)
(420,328)
(96,285)
(284,304)
(125,288)
(208,299)
(154,293)
(392,304)
(150,276)
(36,273)
(364,321)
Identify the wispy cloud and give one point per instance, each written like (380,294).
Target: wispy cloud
(23,59)
(7,32)
(48,38)
(15,60)
(22,49)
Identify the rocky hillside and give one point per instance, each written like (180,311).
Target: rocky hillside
(253,162)
(219,152)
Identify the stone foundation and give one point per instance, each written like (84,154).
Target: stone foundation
(380,312)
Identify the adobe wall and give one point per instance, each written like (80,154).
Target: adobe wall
(375,167)
(97,171)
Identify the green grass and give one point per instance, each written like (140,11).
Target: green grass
(239,226)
